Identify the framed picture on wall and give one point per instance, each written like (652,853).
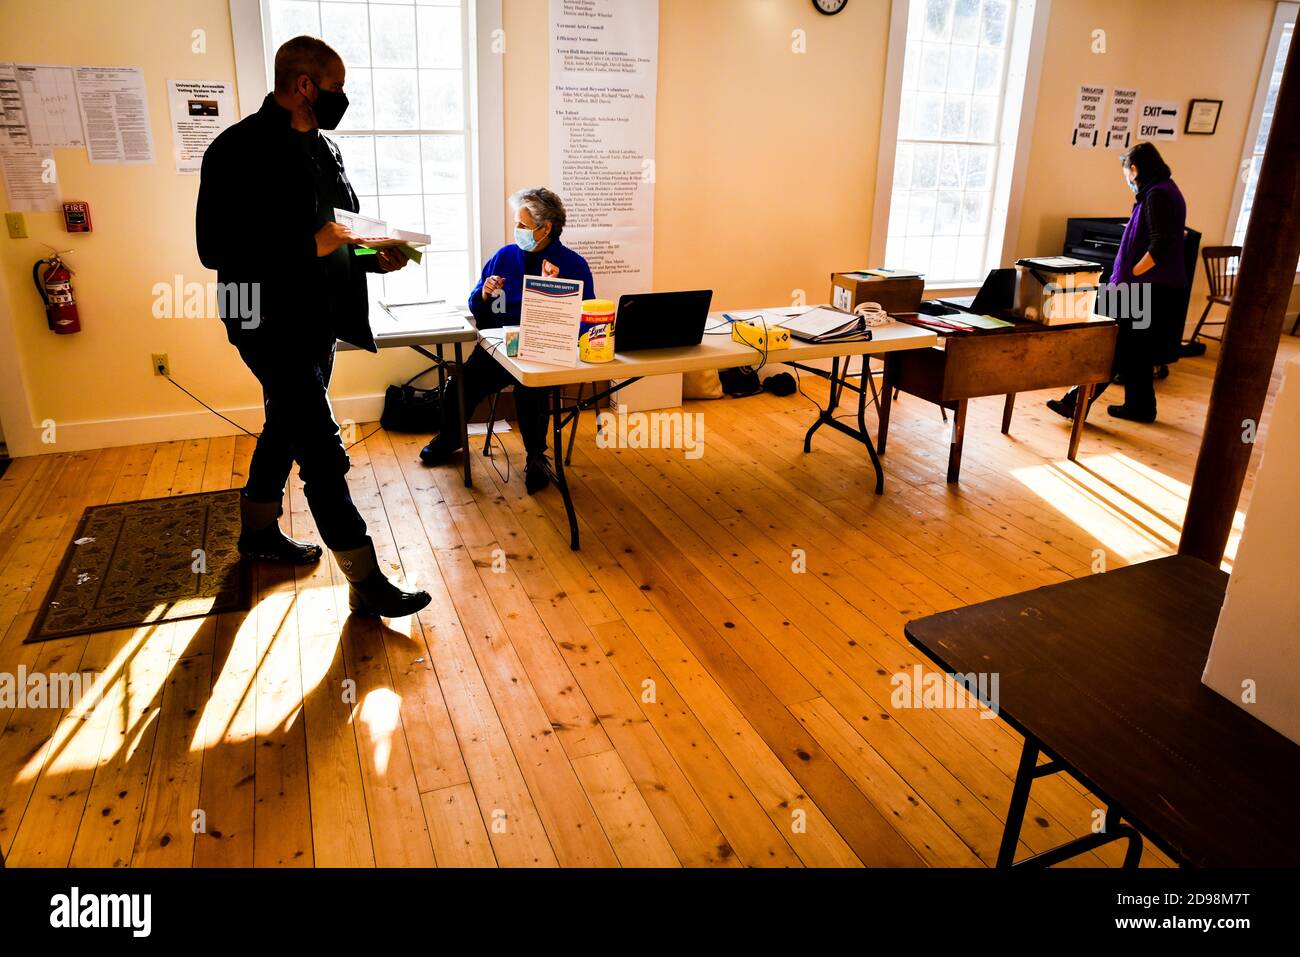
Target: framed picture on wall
(1203,116)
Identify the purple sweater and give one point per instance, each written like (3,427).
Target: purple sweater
(1156,225)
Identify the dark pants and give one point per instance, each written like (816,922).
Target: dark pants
(484,376)
(300,427)
(1136,348)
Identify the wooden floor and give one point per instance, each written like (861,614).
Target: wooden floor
(678,693)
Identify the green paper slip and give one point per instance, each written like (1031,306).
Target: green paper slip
(984,322)
(411,252)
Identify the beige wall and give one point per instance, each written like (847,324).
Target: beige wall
(97,385)
(1167,49)
(765,173)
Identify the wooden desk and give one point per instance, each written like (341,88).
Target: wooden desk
(1103,675)
(716,351)
(1021,358)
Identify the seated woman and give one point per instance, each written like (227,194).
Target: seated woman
(495,302)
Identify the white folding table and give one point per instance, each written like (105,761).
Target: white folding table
(455,332)
(717,351)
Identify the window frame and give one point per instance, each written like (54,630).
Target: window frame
(1285,12)
(485,93)
(1016,120)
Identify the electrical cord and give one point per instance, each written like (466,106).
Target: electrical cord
(873,314)
(255,435)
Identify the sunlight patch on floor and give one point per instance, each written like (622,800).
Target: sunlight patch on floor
(1133,511)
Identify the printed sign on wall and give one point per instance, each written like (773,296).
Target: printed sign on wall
(604,71)
(1087,117)
(1119,128)
(1158,120)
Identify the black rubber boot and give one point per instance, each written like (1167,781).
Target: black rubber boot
(261,539)
(447,442)
(536,476)
(1064,406)
(1132,415)
(369,592)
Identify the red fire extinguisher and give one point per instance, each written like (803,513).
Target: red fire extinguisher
(55,288)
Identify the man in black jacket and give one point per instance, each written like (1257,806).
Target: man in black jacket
(265,222)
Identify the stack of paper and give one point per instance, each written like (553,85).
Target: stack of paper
(377,234)
(825,324)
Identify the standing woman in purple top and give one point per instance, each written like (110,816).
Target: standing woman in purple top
(1150,254)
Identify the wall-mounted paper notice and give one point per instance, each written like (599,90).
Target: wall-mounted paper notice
(1087,117)
(1159,120)
(1119,128)
(115,114)
(50,98)
(549,320)
(14,133)
(30,181)
(200,110)
(604,75)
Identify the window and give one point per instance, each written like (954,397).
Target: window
(963,75)
(407,137)
(1262,119)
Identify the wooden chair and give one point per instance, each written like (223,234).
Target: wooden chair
(1221,264)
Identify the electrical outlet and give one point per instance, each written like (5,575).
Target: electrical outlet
(16,223)
(161,365)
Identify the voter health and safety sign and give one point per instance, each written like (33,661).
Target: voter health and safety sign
(549,320)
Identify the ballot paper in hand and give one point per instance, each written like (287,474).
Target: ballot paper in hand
(376,234)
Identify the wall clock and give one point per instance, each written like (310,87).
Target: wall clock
(830,7)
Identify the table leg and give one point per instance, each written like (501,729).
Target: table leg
(827,417)
(828,414)
(442,368)
(577,417)
(1019,801)
(464,412)
(958,434)
(886,403)
(1006,412)
(1081,402)
(557,470)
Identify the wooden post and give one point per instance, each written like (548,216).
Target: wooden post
(1250,338)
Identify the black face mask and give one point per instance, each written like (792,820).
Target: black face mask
(329,107)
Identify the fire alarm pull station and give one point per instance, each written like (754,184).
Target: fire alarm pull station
(76,217)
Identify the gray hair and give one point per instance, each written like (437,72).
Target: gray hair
(543,205)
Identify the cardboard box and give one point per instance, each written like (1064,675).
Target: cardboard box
(1056,290)
(851,289)
(652,392)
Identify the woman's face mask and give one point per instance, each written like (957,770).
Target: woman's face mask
(1130,178)
(525,238)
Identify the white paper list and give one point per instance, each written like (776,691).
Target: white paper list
(115,114)
(604,71)
(50,99)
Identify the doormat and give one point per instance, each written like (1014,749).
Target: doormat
(136,563)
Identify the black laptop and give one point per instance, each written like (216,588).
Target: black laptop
(661,320)
(996,295)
